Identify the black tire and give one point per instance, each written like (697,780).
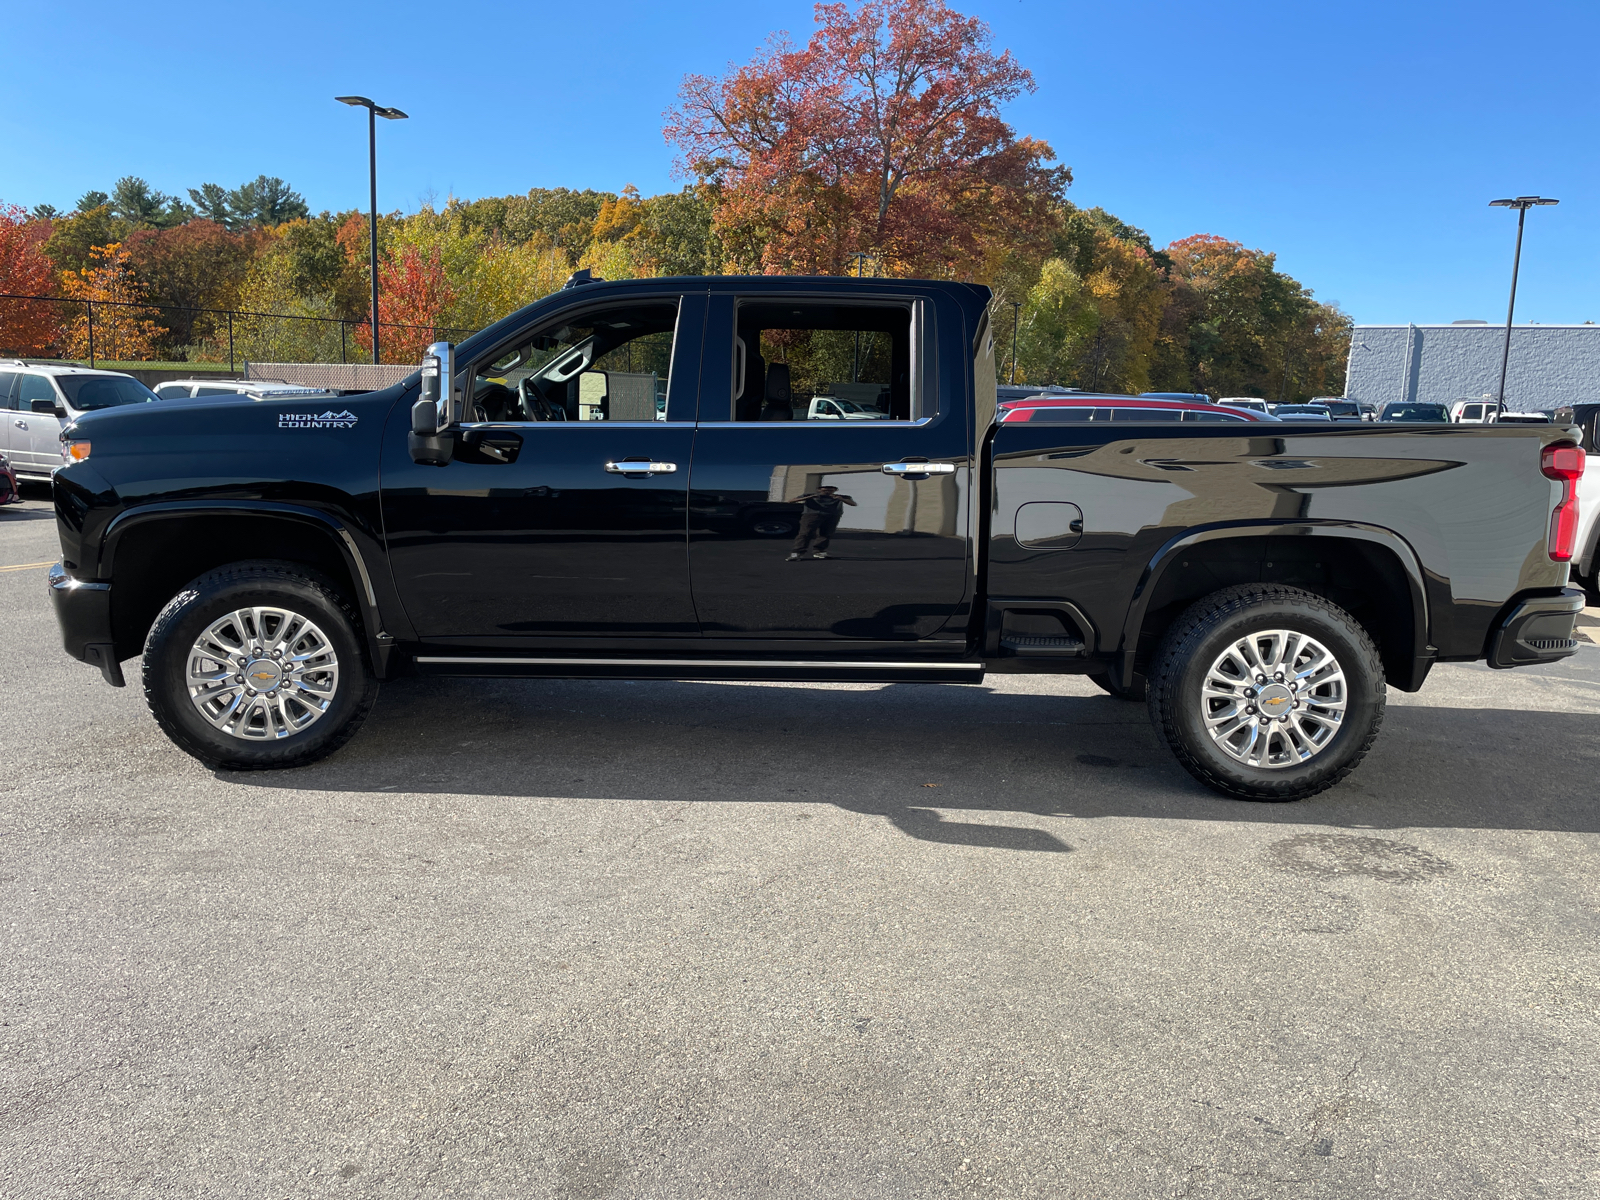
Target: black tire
(1204,631)
(244,585)
(1110,687)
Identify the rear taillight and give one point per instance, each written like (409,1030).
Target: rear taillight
(1563,462)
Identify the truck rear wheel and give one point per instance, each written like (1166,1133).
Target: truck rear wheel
(1266,692)
(256,666)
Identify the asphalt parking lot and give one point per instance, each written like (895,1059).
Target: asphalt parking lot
(668,940)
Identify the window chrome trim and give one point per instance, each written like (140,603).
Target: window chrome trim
(519,425)
(803,424)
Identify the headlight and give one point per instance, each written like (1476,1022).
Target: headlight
(74,452)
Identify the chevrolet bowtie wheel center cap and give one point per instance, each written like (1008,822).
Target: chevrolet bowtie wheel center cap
(1275,700)
(263,675)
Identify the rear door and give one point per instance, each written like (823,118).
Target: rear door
(803,527)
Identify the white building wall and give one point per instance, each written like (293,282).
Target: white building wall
(1551,365)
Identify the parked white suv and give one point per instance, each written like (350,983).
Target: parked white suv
(36,401)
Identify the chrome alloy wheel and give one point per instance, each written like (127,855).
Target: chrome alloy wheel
(1274,699)
(262,674)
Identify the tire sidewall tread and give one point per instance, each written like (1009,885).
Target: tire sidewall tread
(1185,648)
(242,585)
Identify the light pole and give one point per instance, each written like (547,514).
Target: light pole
(1522,204)
(374,111)
(1016,313)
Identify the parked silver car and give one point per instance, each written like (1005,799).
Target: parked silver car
(178,389)
(37,400)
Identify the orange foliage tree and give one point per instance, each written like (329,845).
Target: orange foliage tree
(27,327)
(121,329)
(883,137)
(413,293)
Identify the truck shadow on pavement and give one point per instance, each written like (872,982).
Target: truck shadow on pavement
(917,754)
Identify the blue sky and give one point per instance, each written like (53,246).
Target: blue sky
(1360,141)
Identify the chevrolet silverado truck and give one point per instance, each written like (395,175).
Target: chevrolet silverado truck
(620,481)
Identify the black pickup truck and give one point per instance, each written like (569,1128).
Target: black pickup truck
(620,481)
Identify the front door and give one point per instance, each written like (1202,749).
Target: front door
(829,495)
(563,511)
(35,436)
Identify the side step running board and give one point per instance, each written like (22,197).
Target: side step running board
(763,670)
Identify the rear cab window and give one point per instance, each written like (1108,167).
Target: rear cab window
(816,360)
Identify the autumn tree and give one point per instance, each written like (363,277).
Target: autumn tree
(27,327)
(413,295)
(1252,330)
(120,329)
(197,265)
(882,136)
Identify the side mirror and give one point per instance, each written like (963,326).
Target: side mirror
(47,407)
(430,442)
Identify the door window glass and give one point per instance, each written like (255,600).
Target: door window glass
(35,387)
(8,389)
(842,363)
(609,364)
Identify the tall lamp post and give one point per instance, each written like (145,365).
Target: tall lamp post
(1522,204)
(374,111)
(1016,314)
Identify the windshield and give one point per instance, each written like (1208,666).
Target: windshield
(1342,408)
(1415,412)
(89,392)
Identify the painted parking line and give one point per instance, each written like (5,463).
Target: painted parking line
(25,567)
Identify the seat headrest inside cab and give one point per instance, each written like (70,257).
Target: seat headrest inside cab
(778,383)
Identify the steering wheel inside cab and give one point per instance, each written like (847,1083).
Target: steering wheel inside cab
(495,402)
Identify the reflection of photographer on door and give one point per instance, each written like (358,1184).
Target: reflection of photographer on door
(818,520)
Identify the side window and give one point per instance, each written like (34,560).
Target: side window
(1143,414)
(171,391)
(802,361)
(609,364)
(35,387)
(204,390)
(8,389)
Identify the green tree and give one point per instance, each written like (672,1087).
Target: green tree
(74,238)
(133,201)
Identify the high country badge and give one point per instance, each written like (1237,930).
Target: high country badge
(325,420)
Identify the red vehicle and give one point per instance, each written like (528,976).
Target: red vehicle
(1061,409)
(8,483)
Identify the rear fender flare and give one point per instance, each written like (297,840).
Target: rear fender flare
(1164,559)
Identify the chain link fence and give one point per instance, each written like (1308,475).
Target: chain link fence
(222,335)
(343,377)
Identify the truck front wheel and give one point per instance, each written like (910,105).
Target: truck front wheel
(1266,692)
(256,666)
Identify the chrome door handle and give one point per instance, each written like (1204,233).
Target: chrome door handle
(20,424)
(916,468)
(639,466)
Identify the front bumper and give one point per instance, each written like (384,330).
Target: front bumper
(83,611)
(1537,630)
